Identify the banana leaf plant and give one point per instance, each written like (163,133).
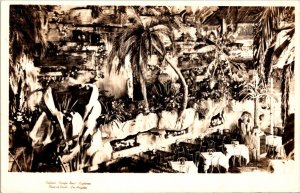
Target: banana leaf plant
(221,68)
(256,90)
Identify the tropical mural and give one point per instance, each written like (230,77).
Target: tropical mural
(150,89)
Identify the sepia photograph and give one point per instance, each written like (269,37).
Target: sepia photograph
(142,89)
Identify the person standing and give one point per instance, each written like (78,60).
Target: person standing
(245,125)
(252,144)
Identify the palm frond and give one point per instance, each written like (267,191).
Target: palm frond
(266,32)
(279,50)
(248,96)
(144,52)
(148,40)
(158,45)
(247,91)
(113,52)
(26,29)
(202,14)
(206,49)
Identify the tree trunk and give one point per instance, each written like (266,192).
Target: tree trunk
(256,99)
(185,87)
(285,89)
(144,92)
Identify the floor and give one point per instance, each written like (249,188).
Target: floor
(137,165)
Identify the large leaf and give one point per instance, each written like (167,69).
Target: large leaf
(283,46)
(206,49)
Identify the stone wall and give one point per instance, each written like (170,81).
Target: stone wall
(150,130)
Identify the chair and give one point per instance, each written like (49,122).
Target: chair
(182,160)
(173,147)
(197,158)
(226,131)
(203,148)
(237,154)
(211,144)
(198,141)
(226,139)
(190,156)
(235,142)
(271,151)
(183,169)
(189,152)
(180,151)
(169,158)
(221,147)
(215,163)
(161,160)
(281,153)
(211,150)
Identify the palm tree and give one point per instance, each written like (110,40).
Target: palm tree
(27,43)
(272,22)
(139,42)
(274,43)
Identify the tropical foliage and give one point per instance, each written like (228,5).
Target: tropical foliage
(274,45)
(164,96)
(221,72)
(275,25)
(140,41)
(218,78)
(27,44)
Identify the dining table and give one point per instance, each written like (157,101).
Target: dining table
(184,167)
(209,156)
(237,150)
(274,141)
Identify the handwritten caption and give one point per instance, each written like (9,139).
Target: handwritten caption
(68,185)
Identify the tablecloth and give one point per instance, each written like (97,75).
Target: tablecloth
(187,167)
(208,158)
(240,149)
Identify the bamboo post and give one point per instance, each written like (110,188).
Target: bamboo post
(256,102)
(271,107)
(224,26)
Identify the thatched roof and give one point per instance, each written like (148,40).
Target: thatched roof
(236,14)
